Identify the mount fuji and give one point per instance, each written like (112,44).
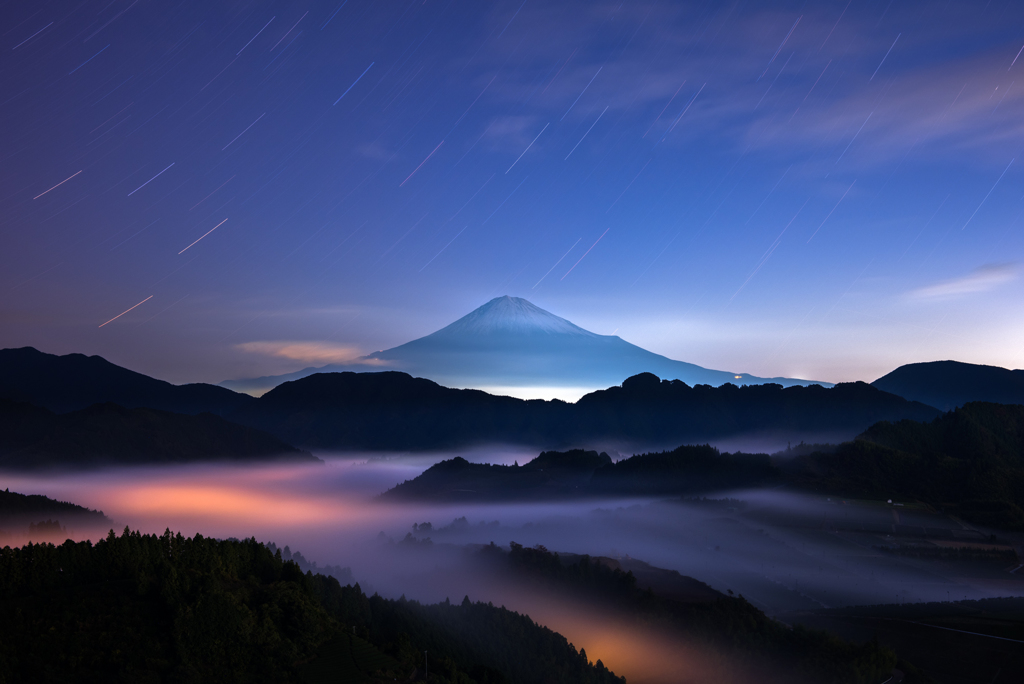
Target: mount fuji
(511,346)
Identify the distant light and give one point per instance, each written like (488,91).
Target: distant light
(737,376)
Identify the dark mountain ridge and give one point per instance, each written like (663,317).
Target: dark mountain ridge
(969,461)
(108,434)
(76,381)
(392,410)
(582,474)
(950,384)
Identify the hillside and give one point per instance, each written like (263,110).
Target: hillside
(108,434)
(394,411)
(146,608)
(950,384)
(75,381)
(969,461)
(39,518)
(579,474)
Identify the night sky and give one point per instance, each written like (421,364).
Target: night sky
(816,189)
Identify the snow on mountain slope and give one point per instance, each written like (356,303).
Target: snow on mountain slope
(510,343)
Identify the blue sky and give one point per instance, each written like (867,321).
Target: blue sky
(811,189)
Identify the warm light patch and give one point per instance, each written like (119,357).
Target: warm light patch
(229,504)
(310,352)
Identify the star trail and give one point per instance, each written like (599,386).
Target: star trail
(782,188)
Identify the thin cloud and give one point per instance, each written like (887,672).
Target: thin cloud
(983,279)
(309,352)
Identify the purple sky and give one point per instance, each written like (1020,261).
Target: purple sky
(808,189)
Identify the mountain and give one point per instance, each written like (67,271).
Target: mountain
(969,461)
(579,473)
(510,343)
(949,384)
(108,434)
(42,517)
(75,381)
(395,411)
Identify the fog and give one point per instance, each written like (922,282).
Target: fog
(782,551)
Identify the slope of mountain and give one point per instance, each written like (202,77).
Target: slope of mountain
(949,384)
(392,410)
(108,434)
(579,473)
(75,381)
(21,509)
(509,342)
(970,460)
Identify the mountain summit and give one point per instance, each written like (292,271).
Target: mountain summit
(508,315)
(512,346)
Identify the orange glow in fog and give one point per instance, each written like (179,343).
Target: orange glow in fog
(229,504)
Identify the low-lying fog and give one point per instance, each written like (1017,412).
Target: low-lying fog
(783,551)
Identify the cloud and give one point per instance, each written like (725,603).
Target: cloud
(943,90)
(374,150)
(309,352)
(512,133)
(982,279)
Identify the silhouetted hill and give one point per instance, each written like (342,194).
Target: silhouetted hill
(683,470)
(949,384)
(21,509)
(758,648)
(579,473)
(673,412)
(392,410)
(75,381)
(969,461)
(552,475)
(395,411)
(142,608)
(33,437)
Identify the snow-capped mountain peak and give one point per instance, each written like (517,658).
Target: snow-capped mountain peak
(510,315)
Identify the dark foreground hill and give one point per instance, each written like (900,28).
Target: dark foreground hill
(173,609)
(949,384)
(145,608)
(578,473)
(969,461)
(75,381)
(392,410)
(108,434)
(758,648)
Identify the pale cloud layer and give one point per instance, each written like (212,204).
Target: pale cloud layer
(983,279)
(309,352)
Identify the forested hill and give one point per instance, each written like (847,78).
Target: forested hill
(578,473)
(756,646)
(108,434)
(969,461)
(18,510)
(138,608)
(146,608)
(393,410)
